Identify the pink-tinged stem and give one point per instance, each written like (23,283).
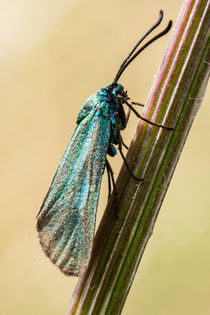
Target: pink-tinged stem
(175,97)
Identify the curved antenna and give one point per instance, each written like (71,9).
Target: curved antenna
(139,42)
(131,58)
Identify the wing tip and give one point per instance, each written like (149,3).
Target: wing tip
(73,268)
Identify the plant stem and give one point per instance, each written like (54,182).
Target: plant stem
(174,99)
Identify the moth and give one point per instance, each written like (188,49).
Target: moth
(66,220)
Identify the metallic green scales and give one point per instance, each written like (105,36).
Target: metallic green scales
(66,220)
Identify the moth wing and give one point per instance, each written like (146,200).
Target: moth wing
(66,220)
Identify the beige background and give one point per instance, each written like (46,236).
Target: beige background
(53,55)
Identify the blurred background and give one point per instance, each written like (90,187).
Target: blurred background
(53,55)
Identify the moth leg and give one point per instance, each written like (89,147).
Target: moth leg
(128,168)
(127,115)
(142,118)
(111,180)
(111,176)
(136,103)
(120,143)
(125,146)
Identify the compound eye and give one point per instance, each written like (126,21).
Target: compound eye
(117,91)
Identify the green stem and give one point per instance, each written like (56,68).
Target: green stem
(174,100)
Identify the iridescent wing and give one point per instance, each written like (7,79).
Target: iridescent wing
(66,220)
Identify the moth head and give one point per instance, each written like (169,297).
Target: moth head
(116,89)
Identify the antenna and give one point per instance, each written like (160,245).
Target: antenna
(131,56)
